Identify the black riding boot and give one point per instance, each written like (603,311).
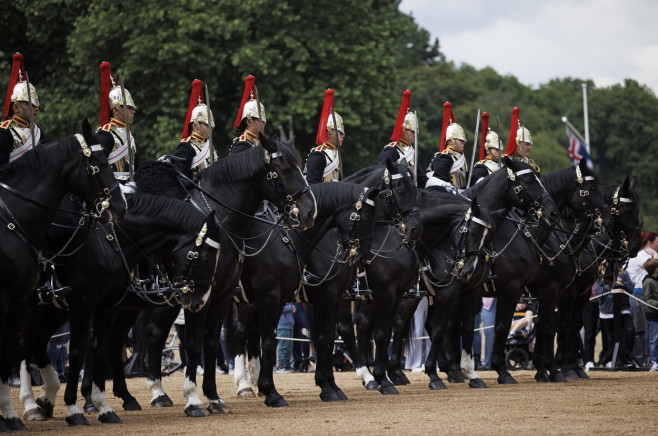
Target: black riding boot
(50,290)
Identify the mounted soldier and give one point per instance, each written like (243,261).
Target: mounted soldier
(194,151)
(250,121)
(490,149)
(520,142)
(448,169)
(404,136)
(19,131)
(323,163)
(115,120)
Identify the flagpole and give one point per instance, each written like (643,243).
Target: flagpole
(586,117)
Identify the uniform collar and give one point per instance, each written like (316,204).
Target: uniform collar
(330,146)
(117,122)
(491,158)
(451,149)
(20,121)
(403,143)
(250,136)
(196,137)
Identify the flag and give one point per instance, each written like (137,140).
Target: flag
(577,150)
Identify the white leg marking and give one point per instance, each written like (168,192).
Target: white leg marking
(468,365)
(156,388)
(6,406)
(190,392)
(26,395)
(100,400)
(365,374)
(51,384)
(254,372)
(240,373)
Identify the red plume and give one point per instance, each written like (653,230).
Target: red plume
(106,87)
(405,106)
(249,85)
(485,127)
(511,142)
(195,95)
(448,117)
(321,138)
(16,66)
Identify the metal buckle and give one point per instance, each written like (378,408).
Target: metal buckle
(191,255)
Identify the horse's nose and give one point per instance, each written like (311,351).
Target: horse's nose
(309,219)
(552,218)
(415,233)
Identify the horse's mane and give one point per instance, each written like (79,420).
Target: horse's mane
(174,211)
(158,178)
(245,165)
(40,156)
(452,205)
(335,195)
(561,180)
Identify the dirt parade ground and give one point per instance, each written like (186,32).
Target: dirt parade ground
(607,403)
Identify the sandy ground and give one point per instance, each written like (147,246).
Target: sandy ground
(607,403)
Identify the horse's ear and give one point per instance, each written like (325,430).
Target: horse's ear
(631,185)
(475,209)
(212,224)
(390,166)
(86,130)
(509,163)
(268,144)
(384,193)
(76,128)
(372,193)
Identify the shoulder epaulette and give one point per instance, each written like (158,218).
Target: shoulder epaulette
(392,144)
(106,127)
(5,124)
(243,137)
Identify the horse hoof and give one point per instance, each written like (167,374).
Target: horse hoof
(542,378)
(372,385)
(162,401)
(569,373)
(477,383)
(15,424)
(276,401)
(398,378)
(3,426)
(557,378)
(436,385)
(329,396)
(581,373)
(46,407)
(34,415)
(131,405)
(388,390)
(76,420)
(341,395)
(457,377)
(217,408)
(506,379)
(110,418)
(246,393)
(194,412)
(89,407)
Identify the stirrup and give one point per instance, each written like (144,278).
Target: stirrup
(46,294)
(357,294)
(416,293)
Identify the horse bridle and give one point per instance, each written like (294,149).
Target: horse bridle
(183,284)
(103,197)
(392,203)
(462,242)
(353,242)
(535,206)
(290,207)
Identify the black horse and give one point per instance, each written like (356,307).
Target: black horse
(347,212)
(622,240)
(516,186)
(31,188)
(234,187)
(111,252)
(527,263)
